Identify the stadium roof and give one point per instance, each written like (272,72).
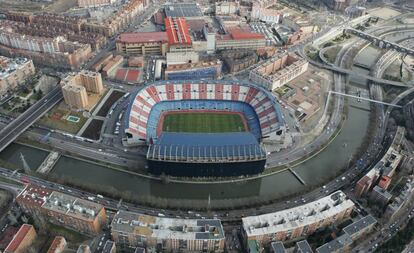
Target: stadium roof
(177,31)
(143,37)
(182,10)
(207,146)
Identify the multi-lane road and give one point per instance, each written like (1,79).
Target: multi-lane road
(12,130)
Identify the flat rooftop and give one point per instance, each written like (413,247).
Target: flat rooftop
(335,245)
(142,37)
(72,206)
(289,219)
(182,10)
(33,195)
(108,247)
(10,65)
(304,247)
(167,228)
(278,247)
(359,225)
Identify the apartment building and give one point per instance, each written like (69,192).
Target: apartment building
(78,214)
(22,240)
(237,60)
(118,21)
(58,245)
(75,88)
(14,72)
(360,227)
(83,248)
(303,247)
(167,234)
(380,196)
(339,245)
(226,8)
(353,232)
(54,52)
(279,70)
(261,11)
(75,96)
(53,25)
(94,3)
(62,209)
(364,185)
(299,221)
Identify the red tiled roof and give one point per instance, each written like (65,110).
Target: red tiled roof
(143,37)
(18,238)
(177,31)
(7,236)
(238,35)
(384,182)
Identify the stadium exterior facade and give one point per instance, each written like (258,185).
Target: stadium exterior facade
(204,154)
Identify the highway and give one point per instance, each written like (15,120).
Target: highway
(9,133)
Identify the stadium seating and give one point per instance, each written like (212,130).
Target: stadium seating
(259,106)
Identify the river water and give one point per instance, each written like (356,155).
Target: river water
(314,171)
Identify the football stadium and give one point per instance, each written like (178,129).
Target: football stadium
(203,128)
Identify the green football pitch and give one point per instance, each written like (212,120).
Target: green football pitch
(203,123)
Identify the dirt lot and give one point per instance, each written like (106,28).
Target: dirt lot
(115,95)
(93,131)
(32,6)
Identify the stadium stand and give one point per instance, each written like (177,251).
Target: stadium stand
(203,154)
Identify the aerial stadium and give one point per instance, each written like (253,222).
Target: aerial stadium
(203,128)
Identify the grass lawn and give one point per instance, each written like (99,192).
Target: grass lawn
(53,121)
(70,235)
(203,123)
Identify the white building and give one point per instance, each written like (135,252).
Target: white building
(299,221)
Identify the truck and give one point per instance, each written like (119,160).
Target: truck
(99,196)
